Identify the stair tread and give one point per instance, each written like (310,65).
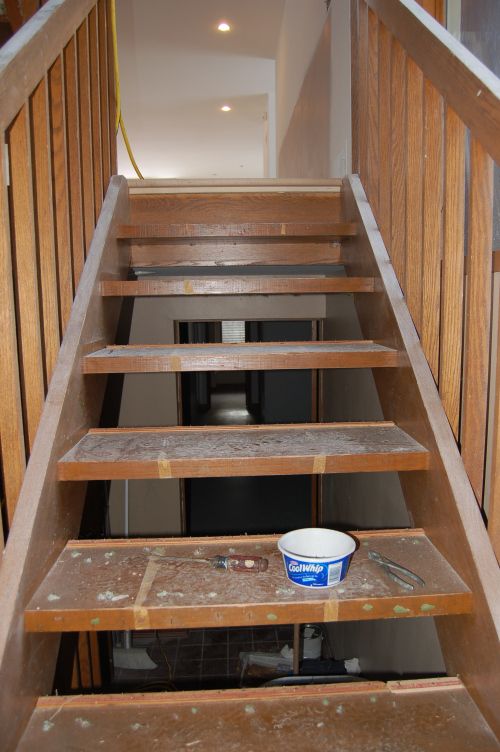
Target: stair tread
(251,285)
(424,715)
(244,229)
(124,584)
(247,356)
(222,451)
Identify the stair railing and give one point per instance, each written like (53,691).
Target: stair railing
(426,119)
(57,154)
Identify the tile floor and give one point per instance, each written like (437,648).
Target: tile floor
(205,658)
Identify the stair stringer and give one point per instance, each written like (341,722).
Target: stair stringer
(48,512)
(441,499)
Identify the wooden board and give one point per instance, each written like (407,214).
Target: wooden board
(329,229)
(425,715)
(441,500)
(248,357)
(126,584)
(237,252)
(223,451)
(233,208)
(253,285)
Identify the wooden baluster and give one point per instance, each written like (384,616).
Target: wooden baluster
(355,85)
(478,316)
(111,95)
(372,114)
(384,166)
(450,357)
(398,160)
(74,162)
(86,155)
(363,89)
(11,420)
(433,225)
(26,273)
(60,188)
(95,96)
(104,93)
(494,488)
(44,221)
(414,190)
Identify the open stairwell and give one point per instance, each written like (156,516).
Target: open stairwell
(52,581)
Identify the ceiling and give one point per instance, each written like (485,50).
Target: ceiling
(177,71)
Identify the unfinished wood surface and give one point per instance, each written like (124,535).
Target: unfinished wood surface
(234,207)
(398,161)
(26,274)
(384,132)
(233,185)
(478,316)
(59,169)
(44,224)
(240,252)
(253,285)
(494,497)
(426,714)
(104,93)
(33,50)
(414,190)
(250,356)
(126,584)
(450,356)
(13,454)
(432,226)
(74,159)
(363,87)
(244,230)
(95,110)
(48,512)
(467,84)
(224,451)
(373,112)
(441,500)
(85,114)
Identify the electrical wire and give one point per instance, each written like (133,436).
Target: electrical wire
(119,124)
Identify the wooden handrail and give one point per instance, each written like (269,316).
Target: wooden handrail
(464,81)
(57,122)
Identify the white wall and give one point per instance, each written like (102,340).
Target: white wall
(340,98)
(303,21)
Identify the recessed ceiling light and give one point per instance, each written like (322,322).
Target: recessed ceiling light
(224,26)
(226,108)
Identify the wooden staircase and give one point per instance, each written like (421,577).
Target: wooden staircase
(61,583)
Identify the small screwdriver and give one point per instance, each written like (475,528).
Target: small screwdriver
(232,562)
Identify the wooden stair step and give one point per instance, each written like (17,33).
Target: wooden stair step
(241,357)
(222,451)
(159,230)
(252,285)
(235,252)
(125,584)
(424,715)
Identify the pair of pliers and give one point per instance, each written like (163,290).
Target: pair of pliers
(390,568)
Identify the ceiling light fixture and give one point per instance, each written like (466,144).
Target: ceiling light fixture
(226,108)
(224,26)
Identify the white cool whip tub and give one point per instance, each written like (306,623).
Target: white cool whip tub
(315,557)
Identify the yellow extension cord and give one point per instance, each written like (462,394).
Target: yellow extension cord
(119,124)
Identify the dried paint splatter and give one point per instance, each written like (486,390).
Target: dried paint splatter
(83,723)
(53,597)
(47,725)
(249,709)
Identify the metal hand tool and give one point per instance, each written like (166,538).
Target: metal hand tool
(233,562)
(390,568)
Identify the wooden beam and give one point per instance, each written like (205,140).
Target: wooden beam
(233,285)
(467,85)
(151,592)
(248,357)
